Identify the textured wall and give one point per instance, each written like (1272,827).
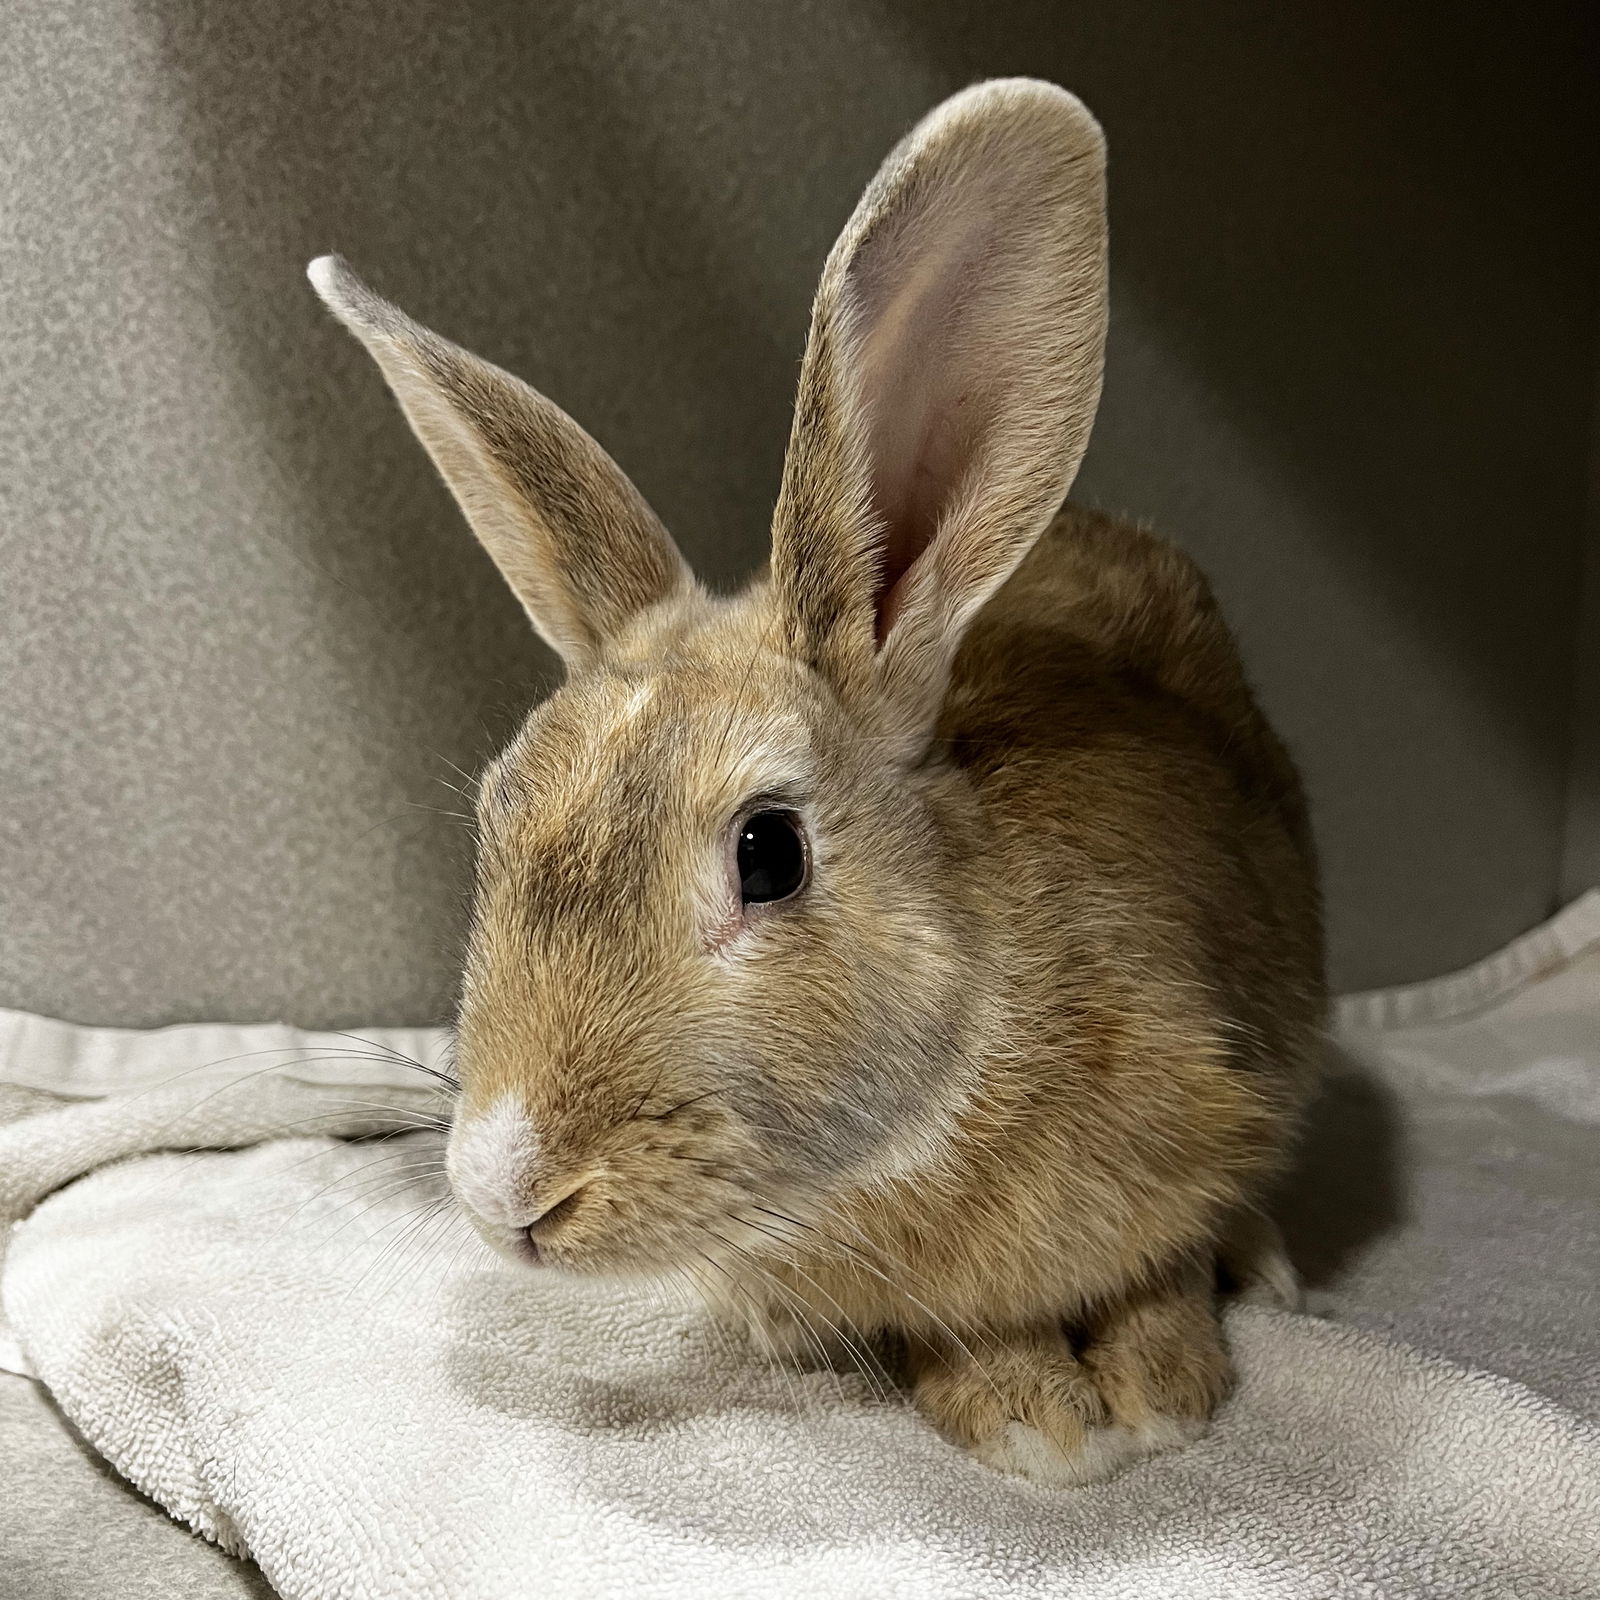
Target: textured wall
(1581,865)
(246,639)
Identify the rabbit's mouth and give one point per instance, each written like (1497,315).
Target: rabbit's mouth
(646,1203)
(528,1244)
(511,1243)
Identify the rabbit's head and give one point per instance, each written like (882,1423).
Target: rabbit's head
(725,962)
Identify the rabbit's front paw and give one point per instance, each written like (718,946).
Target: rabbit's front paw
(1021,1402)
(1146,1378)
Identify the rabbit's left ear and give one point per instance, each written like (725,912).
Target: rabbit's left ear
(576,541)
(947,392)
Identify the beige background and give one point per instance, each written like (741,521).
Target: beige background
(245,636)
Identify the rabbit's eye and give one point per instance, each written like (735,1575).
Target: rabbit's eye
(771,857)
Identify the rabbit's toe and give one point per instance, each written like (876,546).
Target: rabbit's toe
(1100,1453)
(1142,1376)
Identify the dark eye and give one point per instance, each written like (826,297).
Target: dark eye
(772,856)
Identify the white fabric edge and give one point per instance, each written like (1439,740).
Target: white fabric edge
(1534,955)
(86,1062)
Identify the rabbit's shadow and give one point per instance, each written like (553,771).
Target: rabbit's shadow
(1345,1188)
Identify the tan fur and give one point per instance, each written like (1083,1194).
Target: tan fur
(995,1090)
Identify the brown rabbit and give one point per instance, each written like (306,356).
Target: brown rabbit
(922,946)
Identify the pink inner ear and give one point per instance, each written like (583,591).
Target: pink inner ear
(911,508)
(919,297)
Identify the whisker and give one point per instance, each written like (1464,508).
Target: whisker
(327,1188)
(856,1341)
(417,1217)
(440,811)
(395,1252)
(400,1058)
(744,683)
(796,1303)
(900,1289)
(852,1341)
(755,1314)
(661,1116)
(468,1239)
(398,1188)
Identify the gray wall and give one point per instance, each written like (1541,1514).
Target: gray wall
(246,641)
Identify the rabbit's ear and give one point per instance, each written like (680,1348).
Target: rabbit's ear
(573,537)
(947,392)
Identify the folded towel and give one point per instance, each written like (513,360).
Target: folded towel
(299,1350)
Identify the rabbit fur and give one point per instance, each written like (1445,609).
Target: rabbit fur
(991,1103)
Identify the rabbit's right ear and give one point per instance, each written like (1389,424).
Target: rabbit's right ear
(947,392)
(576,541)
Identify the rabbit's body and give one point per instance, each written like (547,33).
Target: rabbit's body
(1131,869)
(921,947)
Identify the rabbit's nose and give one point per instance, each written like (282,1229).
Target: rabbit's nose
(493,1161)
(557,1209)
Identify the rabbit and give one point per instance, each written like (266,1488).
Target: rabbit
(918,951)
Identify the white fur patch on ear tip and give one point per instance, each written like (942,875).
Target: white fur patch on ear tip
(1027,105)
(325,274)
(347,297)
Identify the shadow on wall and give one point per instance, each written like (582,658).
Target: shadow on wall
(1326,212)
(1357,274)
(1366,229)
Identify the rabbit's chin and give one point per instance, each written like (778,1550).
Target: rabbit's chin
(518,1247)
(544,1260)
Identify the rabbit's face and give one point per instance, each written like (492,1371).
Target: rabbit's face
(718,971)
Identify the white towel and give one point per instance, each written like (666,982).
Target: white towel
(275,1344)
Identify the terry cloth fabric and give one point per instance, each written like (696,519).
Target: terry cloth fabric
(297,1349)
